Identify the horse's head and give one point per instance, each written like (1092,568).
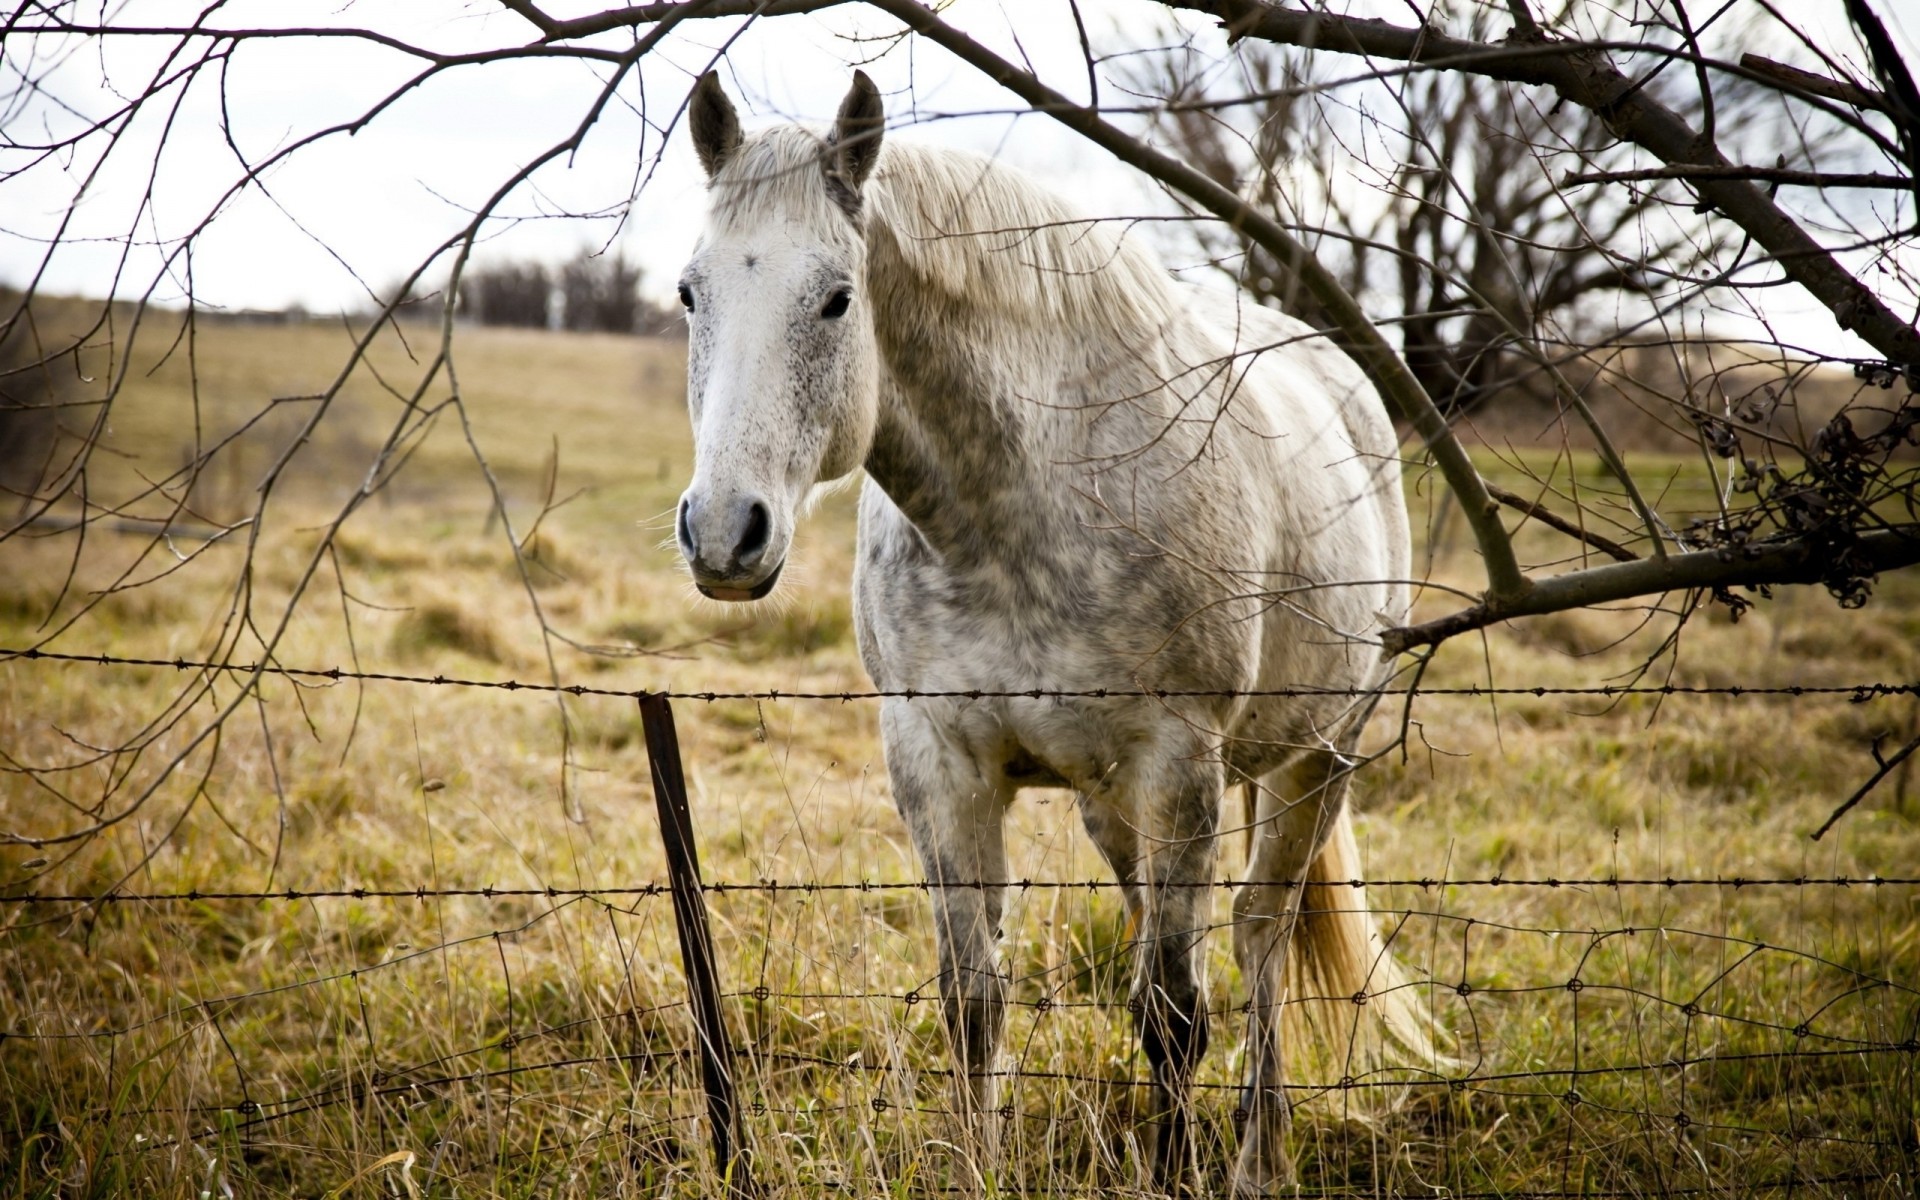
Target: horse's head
(782,372)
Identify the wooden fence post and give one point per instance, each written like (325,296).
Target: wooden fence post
(696,942)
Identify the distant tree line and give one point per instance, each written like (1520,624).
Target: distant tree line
(29,418)
(593,293)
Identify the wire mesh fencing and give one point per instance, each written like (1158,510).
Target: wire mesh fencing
(1605,1033)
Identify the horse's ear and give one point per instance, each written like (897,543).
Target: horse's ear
(855,144)
(716,127)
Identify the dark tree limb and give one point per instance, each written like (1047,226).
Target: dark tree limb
(1795,79)
(1778,175)
(1581,74)
(1903,95)
(1784,562)
(541,21)
(553,29)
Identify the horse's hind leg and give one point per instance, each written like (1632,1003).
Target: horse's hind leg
(955,810)
(1176,816)
(1295,809)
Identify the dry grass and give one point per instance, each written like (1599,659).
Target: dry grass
(533,1047)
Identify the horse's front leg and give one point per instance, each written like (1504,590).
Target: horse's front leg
(1169,1001)
(955,807)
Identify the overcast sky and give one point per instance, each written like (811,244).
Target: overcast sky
(359,211)
(375,204)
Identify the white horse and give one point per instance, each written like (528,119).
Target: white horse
(1081,475)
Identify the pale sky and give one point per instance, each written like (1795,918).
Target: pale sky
(373,205)
(376,203)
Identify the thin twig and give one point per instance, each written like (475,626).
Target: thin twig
(1554,520)
(1887,766)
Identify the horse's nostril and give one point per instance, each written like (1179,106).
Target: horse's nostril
(759,527)
(683,532)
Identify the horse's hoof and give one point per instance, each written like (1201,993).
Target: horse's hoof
(1245,1187)
(1261,1180)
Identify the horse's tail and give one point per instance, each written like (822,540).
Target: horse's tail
(1354,989)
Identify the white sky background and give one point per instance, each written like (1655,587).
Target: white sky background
(382,199)
(375,204)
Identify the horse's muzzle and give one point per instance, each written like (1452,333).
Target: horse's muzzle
(722,591)
(728,544)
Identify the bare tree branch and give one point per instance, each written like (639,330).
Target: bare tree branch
(1814,84)
(1581,74)
(555,30)
(1887,766)
(1554,520)
(1778,175)
(1792,562)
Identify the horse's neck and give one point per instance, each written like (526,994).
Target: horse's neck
(960,441)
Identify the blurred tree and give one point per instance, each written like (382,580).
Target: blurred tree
(600,293)
(1464,233)
(29,417)
(511,293)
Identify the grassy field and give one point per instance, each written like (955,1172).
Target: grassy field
(1717,1040)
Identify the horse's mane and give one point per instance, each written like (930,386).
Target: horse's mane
(973,230)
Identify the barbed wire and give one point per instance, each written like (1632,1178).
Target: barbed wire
(209,1007)
(392,1082)
(1857,692)
(773,886)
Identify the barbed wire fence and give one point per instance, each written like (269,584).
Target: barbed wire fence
(1709,1101)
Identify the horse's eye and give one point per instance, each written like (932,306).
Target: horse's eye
(837,304)
(686,297)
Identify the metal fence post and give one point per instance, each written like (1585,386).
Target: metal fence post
(696,942)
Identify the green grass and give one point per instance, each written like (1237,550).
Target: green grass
(521,1046)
